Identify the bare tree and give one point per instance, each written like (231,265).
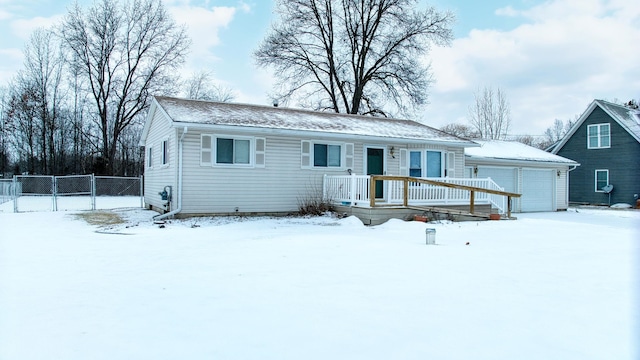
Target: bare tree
(200,86)
(490,114)
(4,133)
(42,74)
(125,54)
(354,56)
(460,130)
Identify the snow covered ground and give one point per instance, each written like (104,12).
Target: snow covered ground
(547,286)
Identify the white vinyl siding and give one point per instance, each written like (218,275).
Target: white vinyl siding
(156,177)
(599,136)
(277,187)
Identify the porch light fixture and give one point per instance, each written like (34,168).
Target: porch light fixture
(558,173)
(392,152)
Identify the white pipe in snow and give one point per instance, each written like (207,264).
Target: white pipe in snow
(179,208)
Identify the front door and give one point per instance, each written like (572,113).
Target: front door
(375,166)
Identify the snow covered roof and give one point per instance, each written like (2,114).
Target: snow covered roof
(629,119)
(513,151)
(208,113)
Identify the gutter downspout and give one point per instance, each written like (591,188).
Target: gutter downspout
(567,185)
(179,208)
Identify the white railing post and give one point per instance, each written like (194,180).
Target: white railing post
(324,187)
(353,189)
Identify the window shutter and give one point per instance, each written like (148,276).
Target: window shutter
(261,149)
(305,160)
(403,162)
(205,149)
(451,164)
(348,156)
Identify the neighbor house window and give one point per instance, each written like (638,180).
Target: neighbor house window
(325,155)
(165,152)
(598,136)
(602,179)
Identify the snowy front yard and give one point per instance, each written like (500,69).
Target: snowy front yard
(547,286)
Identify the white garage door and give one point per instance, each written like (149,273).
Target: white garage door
(503,176)
(537,190)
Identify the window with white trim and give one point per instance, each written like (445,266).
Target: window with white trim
(165,152)
(324,155)
(426,163)
(232,151)
(602,179)
(598,136)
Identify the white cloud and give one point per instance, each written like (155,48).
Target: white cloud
(22,28)
(203,27)
(565,54)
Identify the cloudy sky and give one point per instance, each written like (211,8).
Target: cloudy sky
(552,58)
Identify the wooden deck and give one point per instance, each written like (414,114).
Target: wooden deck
(379,215)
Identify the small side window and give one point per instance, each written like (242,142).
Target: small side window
(165,152)
(150,157)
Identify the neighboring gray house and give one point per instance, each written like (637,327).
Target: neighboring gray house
(539,176)
(606,142)
(222,158)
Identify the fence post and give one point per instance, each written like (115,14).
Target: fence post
(93,191)
(54,191)
(141,191)
(14,193)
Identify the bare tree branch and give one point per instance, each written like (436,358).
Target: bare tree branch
(364,55)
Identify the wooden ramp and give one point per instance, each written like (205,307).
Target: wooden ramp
(446,213)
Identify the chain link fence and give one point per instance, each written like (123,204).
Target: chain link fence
(73,192)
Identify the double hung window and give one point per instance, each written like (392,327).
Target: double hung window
(598,136)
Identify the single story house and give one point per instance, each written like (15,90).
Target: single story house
(541,177)
(605,140)
(212,158)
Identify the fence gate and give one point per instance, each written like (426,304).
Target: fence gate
(74,192)
(34,193)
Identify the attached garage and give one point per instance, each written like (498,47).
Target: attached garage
(538,190)
(539,176)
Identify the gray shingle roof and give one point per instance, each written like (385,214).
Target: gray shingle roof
(266,117)
(627,117)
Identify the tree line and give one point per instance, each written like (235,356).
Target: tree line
(78,104)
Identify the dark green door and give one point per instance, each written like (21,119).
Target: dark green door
(375,166)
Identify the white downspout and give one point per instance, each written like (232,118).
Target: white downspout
(567,184)
(179,208)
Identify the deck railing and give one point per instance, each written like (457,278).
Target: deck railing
(354,190)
